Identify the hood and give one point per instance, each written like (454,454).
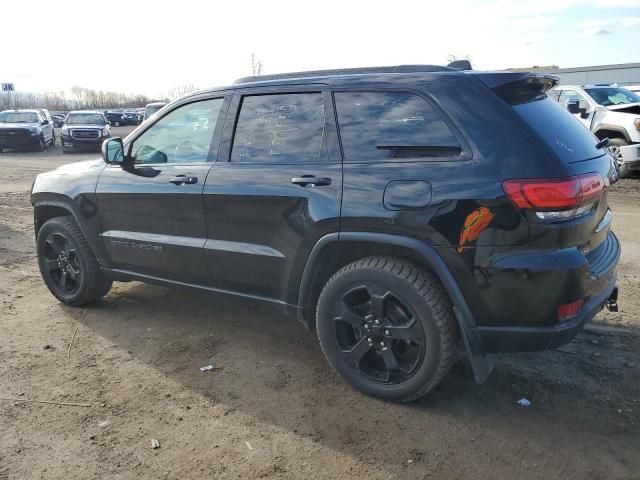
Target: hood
(87,125)
(626,108)
(69,180)
(19,125)
(78,167)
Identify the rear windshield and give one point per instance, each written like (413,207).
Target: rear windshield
(566,135)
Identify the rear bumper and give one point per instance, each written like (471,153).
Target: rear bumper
(533,339)
(597,289)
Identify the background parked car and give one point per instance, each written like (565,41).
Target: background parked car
(25,129)
(84,129)
(609,112)
(152,108)
(118,119)
(58,119)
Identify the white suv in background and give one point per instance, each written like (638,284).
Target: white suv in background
(610,112)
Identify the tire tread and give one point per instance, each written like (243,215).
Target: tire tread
(429,287)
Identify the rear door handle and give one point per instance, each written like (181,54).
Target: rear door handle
(310,180)
(183,179)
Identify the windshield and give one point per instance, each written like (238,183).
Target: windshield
(612,96)
(18,117)
(85,119)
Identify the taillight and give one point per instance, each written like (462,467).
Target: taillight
(556,198)
(569,310)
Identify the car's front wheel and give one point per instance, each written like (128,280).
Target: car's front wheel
(68,266)
(387,326)
(614,149)
(42,144)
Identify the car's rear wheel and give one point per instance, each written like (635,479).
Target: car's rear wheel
(68,266)
(387,326)
(614,149)
(116,124)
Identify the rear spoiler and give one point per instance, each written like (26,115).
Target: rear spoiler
(518,87)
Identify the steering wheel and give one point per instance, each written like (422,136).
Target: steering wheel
(187,150)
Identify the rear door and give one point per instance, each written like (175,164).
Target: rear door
(151,215)
(274,191)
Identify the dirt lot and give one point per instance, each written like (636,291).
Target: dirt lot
(277,410)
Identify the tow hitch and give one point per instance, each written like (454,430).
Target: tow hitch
(612,302)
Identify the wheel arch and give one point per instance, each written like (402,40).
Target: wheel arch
(57,205)
(333,251)
(612,131)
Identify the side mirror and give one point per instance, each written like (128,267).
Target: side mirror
(113,151)
(573,106)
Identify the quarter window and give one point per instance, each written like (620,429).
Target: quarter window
(287,128)
(376,126)
(182,136)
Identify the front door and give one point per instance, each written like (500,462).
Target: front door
(151,215)
(586,110)
(274,191)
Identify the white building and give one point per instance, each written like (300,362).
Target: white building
(621,73)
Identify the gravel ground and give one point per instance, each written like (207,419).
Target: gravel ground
(277,410)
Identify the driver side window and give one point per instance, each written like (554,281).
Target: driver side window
(182,136)
(568,95)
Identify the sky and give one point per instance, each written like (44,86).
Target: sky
(150,47)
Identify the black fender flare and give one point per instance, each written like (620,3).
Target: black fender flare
(66,203)
(481,363)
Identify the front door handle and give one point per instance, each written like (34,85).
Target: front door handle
(310,180)
(183,180)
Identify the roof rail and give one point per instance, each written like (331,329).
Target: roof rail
(350,71)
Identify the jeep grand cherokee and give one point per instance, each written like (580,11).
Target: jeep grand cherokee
(399,211)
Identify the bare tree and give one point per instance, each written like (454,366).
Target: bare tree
(256,65)
(78,98)
(182,90)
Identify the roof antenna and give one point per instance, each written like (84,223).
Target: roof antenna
(461,65)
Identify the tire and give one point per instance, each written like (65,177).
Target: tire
(407,301)
(116,124)
(614,149)
(84,281)
(42,144)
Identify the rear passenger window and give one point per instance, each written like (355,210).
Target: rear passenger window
(280,128)
(384,125)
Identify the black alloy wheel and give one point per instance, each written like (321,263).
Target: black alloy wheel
(378,334)
(62,264)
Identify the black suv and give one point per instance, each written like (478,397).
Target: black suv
(401,212)
(84,129)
